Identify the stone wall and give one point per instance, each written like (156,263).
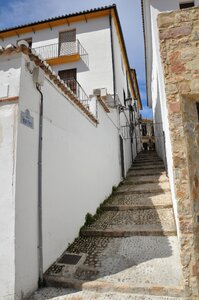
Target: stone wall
(179,46)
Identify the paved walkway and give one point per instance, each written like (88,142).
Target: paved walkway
(131,250)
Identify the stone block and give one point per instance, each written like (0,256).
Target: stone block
(195,85)
(196,35)
(171,88)
(174,107)
(193,64)
(176,32)
(189,53)
(166,21)
(177,68)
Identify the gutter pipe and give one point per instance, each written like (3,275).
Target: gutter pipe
(113,58)
(40,235)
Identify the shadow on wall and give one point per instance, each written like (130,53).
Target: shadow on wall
(128,241)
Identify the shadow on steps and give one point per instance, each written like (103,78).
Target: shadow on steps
(132,246)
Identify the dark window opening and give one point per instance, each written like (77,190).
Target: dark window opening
(186,5)
(197,107)
(144,130)
(124,97)
(69,77)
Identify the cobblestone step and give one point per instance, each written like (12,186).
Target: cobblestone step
(133,223)
(131,249)
(137,201)
(146,163)
(149,172)
(122,290)
(145,179)
(139,265)
(115,296)
(145,188)
(138,230)
(51,293)
(151,167)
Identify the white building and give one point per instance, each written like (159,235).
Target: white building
(155,79)
(61,151)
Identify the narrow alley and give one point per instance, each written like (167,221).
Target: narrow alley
(131,250)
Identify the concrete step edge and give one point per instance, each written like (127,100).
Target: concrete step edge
(127,233)
(103,286)
(150,162)
(124,207)
(147,168)
(154,191)
(139,182)
(145,174)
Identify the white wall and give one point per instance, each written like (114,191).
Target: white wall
(81,164)
(94,36)
(10,77)
(7,199)
(155,80)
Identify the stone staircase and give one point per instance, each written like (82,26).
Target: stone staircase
(131,250)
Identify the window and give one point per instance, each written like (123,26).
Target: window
(124,97)
(186,4)
(197,107)
(69,77)
(67,42)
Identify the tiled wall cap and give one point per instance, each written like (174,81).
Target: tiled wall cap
(22,43)
(10,46)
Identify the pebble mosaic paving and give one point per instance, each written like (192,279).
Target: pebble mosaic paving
(126,263)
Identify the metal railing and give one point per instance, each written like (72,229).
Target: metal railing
(62,49)
(77,89)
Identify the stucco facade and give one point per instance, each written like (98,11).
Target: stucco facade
(81,155)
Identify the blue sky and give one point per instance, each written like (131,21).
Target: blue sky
(16,12)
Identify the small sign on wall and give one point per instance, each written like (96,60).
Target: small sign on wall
(27,119)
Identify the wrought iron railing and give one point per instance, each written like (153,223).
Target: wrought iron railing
(77,89)
(62,49)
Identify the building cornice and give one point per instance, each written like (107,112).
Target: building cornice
(33,56)
(72,18)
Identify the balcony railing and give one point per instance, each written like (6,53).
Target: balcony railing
(62,49)
(77,89)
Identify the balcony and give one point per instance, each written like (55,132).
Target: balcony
(64,52)
(77,89)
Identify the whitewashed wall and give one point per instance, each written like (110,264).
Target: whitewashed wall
(76,156)
(156,87)
(94,36)
(9,76)
(120,85)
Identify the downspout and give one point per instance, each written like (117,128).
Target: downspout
(40,236)
(113,58)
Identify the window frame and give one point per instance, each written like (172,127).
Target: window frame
(186,4)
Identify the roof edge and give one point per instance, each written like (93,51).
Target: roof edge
(145,51)
(85,12)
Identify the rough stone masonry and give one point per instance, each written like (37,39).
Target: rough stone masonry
(179,46)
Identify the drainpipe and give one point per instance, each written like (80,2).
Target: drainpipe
(40,237)
(113,59)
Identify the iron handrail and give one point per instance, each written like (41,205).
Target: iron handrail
(61,49)
(77,89)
